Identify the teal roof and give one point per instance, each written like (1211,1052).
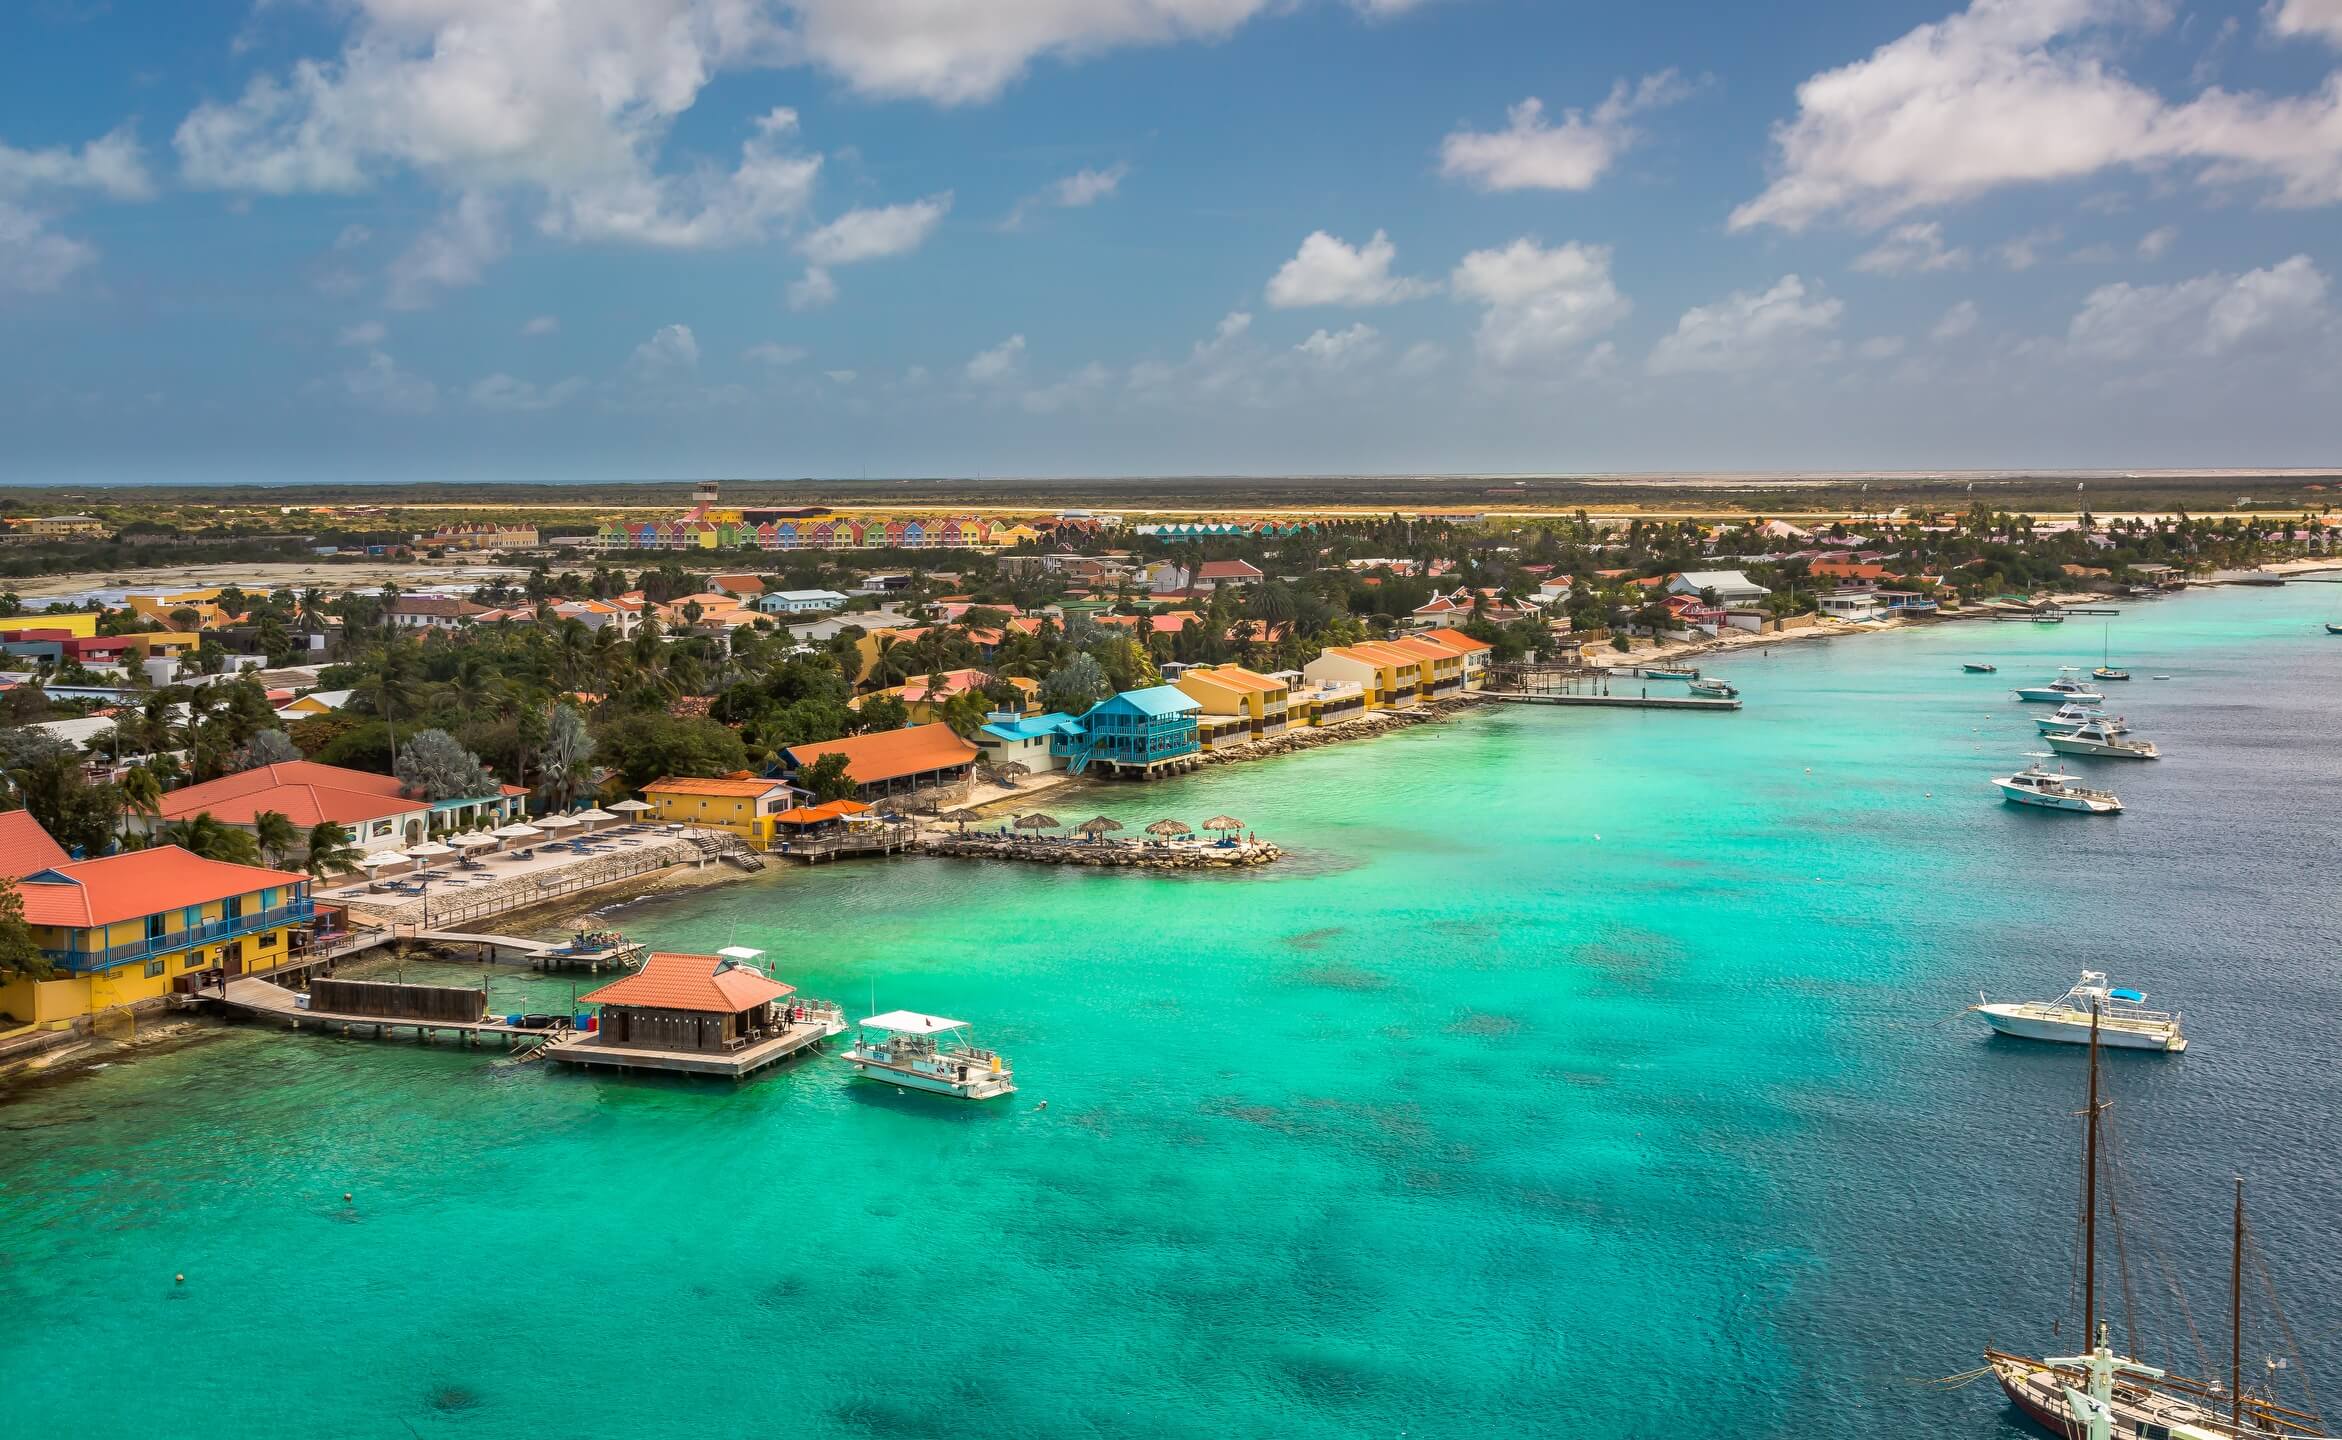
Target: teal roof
(1154,700)
(1027,727)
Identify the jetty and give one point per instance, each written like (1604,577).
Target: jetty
(1617,702)
(1036,850)
(360,1007)
(1526,684)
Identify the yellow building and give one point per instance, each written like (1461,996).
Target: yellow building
(745,807)
(124,929)
(64,527)
(82,625)
(1441,665)
(159,607)
(1261,701)
(1389,678)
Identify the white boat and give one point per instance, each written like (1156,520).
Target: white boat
(1713,689)
(2069,716)
(2050,790)
(2099,739)
(2121,1022)
(924,1052)
(2061,690)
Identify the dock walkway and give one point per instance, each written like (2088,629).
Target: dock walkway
(1616,702)
(589,1048)
(262,999)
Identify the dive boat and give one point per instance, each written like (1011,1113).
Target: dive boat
(2060,690)
(2049,790)
(2069,716)
(1977,667)
(2333,628)
(2101,1395)
(1667,672)
(2068,1018)
(2098,738)
(1714,689)
(917,1052)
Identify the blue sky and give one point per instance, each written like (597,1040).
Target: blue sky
(607,239)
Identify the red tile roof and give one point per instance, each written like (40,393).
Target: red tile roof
(892,754)
(669,981)
(694,785)
(818,814)
(25,846)
(1457,640)
(140,882)
(302,791)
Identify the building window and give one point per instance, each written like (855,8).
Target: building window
(190,960)
(154,968)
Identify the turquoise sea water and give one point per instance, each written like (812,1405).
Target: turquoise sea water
(1581,1073)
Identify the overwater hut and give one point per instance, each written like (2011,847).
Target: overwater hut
(697,1014)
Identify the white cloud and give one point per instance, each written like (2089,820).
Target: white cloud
(1956,322)
(671,349)
(503,393)
(1537,303)
(1088,187)
(1075,389)
(773,353)
(366,332)
(1325,271)
(352,237)
(380,384)
(1421,358)
(2156,241)
(1337,349)
(33,258)
(1530,154)
(1912,247)
(998,363)
(2024,252)
(112,165)
(457,250)
(812,290)
(875,234)
(1881,347)
(2320,18)
(542,325)
(2021,91)
(842,377)
(1746,331)
(700,209)
(2210,315)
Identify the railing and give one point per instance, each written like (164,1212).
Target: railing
(299,912)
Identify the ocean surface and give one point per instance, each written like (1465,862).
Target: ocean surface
(1581,1073)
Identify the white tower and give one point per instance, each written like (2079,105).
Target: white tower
(703,494)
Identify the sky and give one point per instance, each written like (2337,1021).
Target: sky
(589,240)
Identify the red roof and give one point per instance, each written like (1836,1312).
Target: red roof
(139,882)
(1228,570)
(669,981)
(1456,640)
(25,846)
(302,791)
(892,754)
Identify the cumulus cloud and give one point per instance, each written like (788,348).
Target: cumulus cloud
(998,363)
(812,290)
(2210,315)
(1747,331)
(542,325)
(671,350)
(773,353)
(504,394)
(1073,391)
(380,384)
(34,257)
(1881,347)
(1339,349)
(1326,271)
(1911,247)
(2156,241)
(1538,304)
(2021,91)
(1081,189)
(1956,322)
(2320,19)
(875,234)
(1531,153)
(456,251)
(365,332)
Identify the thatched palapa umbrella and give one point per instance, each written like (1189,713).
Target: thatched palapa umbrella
(1037,821)
(1095,828)
(962,816)
(1223,822)
(1167,829)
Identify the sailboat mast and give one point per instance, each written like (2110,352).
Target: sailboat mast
(2236,1320)
(2090,1198)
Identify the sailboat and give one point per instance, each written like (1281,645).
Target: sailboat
(2100,1395)
(2106,669)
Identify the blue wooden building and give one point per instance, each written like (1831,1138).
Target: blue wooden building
(1137,733)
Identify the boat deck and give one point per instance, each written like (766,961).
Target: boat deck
(588,1048)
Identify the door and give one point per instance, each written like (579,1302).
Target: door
(232,958)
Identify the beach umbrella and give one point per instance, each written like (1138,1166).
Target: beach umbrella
(428,851)
(516,831)
(1038,821)
(380,858)
(1011,772)
(594,817)
(1223,822)
(1095,828)
(473,840)
(556,822)
(1166,829)
(962,817)
(630,807)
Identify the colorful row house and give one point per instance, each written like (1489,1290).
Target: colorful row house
(730,530)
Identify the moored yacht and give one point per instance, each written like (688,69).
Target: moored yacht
(2066,1019)
(1710,688)
(2068,716)
(2098,738)
(920,1052)
(2049,790)
(2063,688)
(1980,667)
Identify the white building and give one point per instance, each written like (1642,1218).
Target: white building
(1731,587)
(799,602)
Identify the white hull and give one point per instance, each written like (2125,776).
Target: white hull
(2079,804)
(980,1084)
(2069,1027)
(2134,750)
(2043,695)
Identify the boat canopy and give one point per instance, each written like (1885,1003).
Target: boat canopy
(740,952)
(2135,997)
(911,1022)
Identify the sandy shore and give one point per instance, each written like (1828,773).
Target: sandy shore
(295,575)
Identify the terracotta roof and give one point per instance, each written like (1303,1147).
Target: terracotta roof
(669,981)
(1228,570)
(139,882)
(1234,677)
(816,814)
(303,791)
(892,754)
(434,605)
(1424,649)
(692,785)
(1457,640)
(25,846)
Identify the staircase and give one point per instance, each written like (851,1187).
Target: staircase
(722,845)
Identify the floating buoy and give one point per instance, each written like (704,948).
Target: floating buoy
(178,1279)
(345,1197)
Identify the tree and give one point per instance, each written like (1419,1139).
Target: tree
(49,781)
(566,760)
(881,712)
(828,780)
(202,835)
(275,834)
(1076,685)
(142,792)
(270,747)
(330,849)
(434,764)
(20,953)
(647,744)
(966,713)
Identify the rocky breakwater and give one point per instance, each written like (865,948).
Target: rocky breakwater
(1108,853)
(1362,727)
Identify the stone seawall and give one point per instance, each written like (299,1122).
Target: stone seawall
(1117,854)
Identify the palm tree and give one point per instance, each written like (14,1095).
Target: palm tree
(276,834)
(202,835)
(142,793)
(330,849)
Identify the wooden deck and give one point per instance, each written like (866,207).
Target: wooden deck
(1617,702)
(589,1049)
(263,1000)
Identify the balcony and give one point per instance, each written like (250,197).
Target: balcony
(300,912)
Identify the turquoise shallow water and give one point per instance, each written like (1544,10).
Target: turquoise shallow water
(1581,1073)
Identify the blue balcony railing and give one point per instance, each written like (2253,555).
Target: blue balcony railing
(251,922)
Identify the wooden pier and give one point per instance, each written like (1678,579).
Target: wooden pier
(588,1048)
(1615,702)
(261,999)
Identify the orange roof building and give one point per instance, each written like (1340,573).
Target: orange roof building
(698,1015)
(25,846)
(375,809)
(704,984)
(744,805)
(889,762)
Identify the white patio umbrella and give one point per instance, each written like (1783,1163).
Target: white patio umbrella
(594,816)
(630,807)
(378,859)
(429,850)
(556,822)
(474,839)
(516,831)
